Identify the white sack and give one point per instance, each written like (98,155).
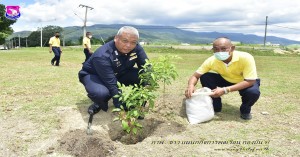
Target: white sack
(199,107)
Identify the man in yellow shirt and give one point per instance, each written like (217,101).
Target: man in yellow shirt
(87,46)
(225,72)
(54,45)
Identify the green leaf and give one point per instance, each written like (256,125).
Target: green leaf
(116,110)
(128,105)
(138,125)
(116,96)
(134,130)
(135,96)
(125,125)
(117,118)
(126,97)
(119,84)
(135,113)
(153,76)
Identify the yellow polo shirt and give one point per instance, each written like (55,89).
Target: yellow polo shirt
(55,42)
(86,42)
(242,67)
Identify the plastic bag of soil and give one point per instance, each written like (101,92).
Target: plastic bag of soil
(199,107)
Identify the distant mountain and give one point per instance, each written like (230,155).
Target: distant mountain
(167,35)
(22,34)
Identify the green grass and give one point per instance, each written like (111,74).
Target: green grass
(32,89)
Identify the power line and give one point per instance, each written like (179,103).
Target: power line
(78,16)
(198,27)
(286,27)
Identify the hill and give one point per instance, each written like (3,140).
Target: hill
(167,35)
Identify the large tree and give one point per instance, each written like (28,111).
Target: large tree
(94,41)
(34,39)
(5,29)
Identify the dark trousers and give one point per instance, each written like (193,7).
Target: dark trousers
(249,95)
(56,58)
(87,54)
(100,94)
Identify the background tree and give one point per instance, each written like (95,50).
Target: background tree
(109,39)
(5,29)
(70,43)
(94,41)
(34,39)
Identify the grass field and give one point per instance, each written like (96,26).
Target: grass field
(32,92)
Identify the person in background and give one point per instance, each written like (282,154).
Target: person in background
(54,45)
(228,71)
(111,63)
(86,42)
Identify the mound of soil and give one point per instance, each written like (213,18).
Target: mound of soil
(78,143)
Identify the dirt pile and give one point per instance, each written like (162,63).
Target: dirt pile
(78,143)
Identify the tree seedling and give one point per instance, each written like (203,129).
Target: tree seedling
(135,96)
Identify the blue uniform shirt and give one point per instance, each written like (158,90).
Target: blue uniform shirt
(109,64)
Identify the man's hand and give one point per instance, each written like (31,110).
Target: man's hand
(191,85)
(50,51)
(189,91)
(217,92)
(117,103)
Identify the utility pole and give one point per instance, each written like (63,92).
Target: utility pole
(19,42)
(42,30)
(85,18)
(266,31)
(63,36)
(42,36)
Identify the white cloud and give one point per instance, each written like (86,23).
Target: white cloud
(240,16)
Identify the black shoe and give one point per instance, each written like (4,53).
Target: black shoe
(52,62)
(94,108)
(140,118)
(246,116)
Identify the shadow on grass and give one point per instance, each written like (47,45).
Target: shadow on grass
(228,113)
(83,104)
(101,118)
(182,111)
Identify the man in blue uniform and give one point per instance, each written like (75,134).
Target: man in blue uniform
(112,62)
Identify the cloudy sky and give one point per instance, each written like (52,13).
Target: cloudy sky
(239,16)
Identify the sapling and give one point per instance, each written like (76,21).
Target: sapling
(163,70)
(135,96)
